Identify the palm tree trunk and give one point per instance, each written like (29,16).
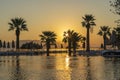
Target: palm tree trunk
(47,51)
(47,47)
(69,47)
(74,50)
(88,40)
(104,38)
(17,42)
(17,38)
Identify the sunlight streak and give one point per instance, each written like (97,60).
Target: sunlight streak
(67,61)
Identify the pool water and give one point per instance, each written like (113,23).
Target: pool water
(59,67)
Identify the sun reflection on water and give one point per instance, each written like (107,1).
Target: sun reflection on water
(67,62)
(59,68)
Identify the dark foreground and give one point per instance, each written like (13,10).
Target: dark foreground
(59,67)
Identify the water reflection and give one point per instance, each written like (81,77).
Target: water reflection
(17,73)
(67,62)
(59,67)
(116,69)
(113,69)
(97,68)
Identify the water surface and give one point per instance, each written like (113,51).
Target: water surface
(59,67)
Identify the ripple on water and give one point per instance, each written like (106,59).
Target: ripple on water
(59,68)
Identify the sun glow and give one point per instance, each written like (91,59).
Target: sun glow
(60,33)
(54,16)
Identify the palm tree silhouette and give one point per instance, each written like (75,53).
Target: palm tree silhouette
(104,31)
(8,44)
(88,22)
(67,36)
(116,37)
(72,38)
(0,43)
(49,38)
(76,37)
(18,24)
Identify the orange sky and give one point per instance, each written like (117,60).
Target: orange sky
(54,15)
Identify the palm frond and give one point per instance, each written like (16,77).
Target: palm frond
(92,24)
(11,27)
(48,36)
(83,24)
(88,21)
(65,40)
(104,30)
(18,23)
(100,33)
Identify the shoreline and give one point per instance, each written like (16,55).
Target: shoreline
(78,52)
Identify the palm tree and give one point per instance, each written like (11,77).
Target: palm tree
(17,24)
(117,30)
(67,38)
(88,22)
(49,38)
(72,38)
(116,37)
(104,31)
(75,39)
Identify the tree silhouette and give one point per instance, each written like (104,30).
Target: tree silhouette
(8,44)
(72,38)
(31,45)
(75,39)
(17,24)
(116,5)
(49,38)
(67,37)
(13,44)
(88,22)
(104,31)
(4,44)
(0,44)
(117,37)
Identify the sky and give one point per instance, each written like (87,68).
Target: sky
(55,15)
